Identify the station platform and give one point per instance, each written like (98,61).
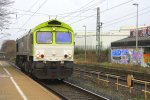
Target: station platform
(15,85)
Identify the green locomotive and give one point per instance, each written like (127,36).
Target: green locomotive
(47,51)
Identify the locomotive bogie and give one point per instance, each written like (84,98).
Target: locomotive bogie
(53,70)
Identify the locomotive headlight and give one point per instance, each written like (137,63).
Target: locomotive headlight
(39,54)
(42,55)
(67,54)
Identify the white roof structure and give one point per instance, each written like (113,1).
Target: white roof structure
(106,37)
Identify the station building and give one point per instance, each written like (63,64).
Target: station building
(124,50)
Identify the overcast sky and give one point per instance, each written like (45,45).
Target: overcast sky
(76,13)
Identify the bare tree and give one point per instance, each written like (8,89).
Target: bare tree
(9,47)
(4,12)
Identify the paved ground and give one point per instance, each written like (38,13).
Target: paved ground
(15,85)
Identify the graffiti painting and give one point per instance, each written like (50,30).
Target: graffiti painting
(127,56)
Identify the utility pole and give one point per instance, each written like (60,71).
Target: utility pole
(136,4)
(98,34)
(85,42)
(101,25)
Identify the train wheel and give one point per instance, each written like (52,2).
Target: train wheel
(22,66)
(30,69)
(19,65)
(26,67)
(62,80)
(31,66)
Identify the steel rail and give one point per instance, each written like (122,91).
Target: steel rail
(70,91)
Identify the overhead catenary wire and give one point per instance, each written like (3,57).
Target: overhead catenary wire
(110,21)
(126,19)
(95,14)
(69,13)
(82,36)
(30,7)
(31,17)
(103,11)
(33,5)
(127,15)
(34,13)
(114,19)
(87,9)
(86,4)
(116,6)
(23,15)
(79,10)
(18,28)
(44,14)
(28,11)
(57,14)
(96,3)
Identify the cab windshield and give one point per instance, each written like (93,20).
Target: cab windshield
(63,37)
(44,37)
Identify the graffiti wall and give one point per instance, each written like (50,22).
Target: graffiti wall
(147,59)
(147,56)
(127,56)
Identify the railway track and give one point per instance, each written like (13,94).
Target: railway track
(117,71)
(68,91)
(122,79)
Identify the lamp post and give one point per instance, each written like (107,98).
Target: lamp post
(85,42)
(136,4)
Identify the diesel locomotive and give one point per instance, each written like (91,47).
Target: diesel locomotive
(47,51)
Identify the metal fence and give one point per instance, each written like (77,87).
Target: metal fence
(110,85)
